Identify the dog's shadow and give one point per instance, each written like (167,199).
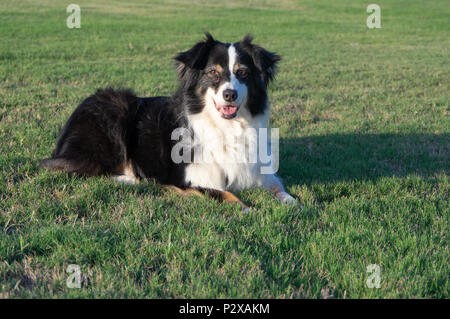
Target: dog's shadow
(361,157)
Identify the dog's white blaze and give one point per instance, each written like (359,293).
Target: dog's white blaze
(234,83)
(232,54)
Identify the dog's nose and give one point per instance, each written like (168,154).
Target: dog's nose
(229,95)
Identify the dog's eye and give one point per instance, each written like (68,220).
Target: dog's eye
(242,73)
(214,75)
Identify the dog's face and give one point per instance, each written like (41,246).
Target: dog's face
(226,79)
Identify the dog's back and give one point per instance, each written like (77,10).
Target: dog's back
(115,132)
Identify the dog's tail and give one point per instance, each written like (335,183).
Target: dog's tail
(78,167)
(59,164)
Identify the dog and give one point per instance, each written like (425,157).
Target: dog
(223,89)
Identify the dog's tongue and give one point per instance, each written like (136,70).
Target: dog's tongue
(229,109)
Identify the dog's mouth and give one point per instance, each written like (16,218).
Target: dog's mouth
(228,111)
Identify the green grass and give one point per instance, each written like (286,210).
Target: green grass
(365,144)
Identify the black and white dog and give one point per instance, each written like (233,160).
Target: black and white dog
(223,89)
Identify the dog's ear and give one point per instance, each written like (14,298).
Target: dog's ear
(196,57)
(265,61)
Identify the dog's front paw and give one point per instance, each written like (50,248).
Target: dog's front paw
(285,198)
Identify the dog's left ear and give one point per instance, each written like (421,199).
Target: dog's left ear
(264,60)
(196,57)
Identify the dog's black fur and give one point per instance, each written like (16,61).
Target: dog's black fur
(113,127)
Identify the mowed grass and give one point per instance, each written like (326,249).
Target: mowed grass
(365,146)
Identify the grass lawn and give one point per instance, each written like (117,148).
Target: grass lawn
(365,145)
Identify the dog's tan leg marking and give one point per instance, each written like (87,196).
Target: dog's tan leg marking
(231,198)
(228,197)
(187,191)
(222,196)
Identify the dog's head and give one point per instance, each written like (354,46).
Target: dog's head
(226,77)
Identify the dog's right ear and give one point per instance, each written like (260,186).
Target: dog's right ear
(196,57)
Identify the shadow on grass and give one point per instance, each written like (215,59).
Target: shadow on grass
(353,157)
(337,158)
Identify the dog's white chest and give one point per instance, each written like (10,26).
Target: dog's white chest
(223,155)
